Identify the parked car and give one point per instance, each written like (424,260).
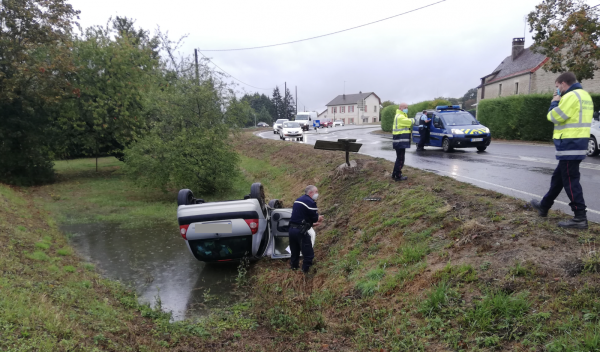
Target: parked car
(593,149)
(231,230)
(452,127)
(326,123)
(338,123)
(305,119)
(291,130)
(262,124)
(277,124)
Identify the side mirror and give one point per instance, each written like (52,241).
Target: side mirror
(309,119)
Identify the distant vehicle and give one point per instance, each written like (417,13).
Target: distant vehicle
(291,130)
(221,232)
(262,124)
(326,123)
(337,123)
(593,149)
(452,127)
(277,124)
(305,119)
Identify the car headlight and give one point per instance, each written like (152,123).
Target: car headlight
(454,131)
(487,130)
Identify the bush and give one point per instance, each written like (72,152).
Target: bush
(418,107)
(387,117)
(521,117)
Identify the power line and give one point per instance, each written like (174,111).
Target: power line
(249,85)
(325,35)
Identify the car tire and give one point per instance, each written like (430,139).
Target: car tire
(593,147)
(482,149)
(258,192)
(274,132)
(275,204)
(446,145)
(185,197)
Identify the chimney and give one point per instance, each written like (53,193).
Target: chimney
(518,45)
(344,96)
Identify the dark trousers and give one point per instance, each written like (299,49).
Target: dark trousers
(424,137)
(400,154)
(566,176)
(300,243)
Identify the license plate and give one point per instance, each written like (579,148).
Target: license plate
(476,139)
(214,227)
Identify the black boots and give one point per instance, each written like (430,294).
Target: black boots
(543,212)
(579,221)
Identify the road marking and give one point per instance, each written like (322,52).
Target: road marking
(511,189)
(540,160)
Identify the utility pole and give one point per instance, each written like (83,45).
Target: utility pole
(285,100)
(296,100)
(197,72)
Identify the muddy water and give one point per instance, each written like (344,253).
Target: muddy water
(157,263)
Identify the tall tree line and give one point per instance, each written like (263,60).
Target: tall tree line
(269,110)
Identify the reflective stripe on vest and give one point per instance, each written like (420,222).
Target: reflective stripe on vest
(571,152)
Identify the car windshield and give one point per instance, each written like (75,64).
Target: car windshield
(221,248)
(280,121)
(291,125)
(459,119)
(301,117)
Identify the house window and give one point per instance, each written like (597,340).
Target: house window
(500,90)
(351,108)
(374,119)
(365,108)
(351,121)
(516,87)
(342,109)
(334,110)
(375,109)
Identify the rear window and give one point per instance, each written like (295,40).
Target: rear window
(222,248)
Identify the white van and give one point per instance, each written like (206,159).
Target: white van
(305,119)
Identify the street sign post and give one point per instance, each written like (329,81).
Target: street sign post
(347,145)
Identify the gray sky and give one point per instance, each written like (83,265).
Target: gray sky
(439,51)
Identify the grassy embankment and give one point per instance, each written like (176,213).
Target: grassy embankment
(435,265)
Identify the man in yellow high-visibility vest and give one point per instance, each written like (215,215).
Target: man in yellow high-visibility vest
(402,130)
(572,112)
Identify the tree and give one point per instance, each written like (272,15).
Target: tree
(35,73)
(257,102)
(278,102)
(264,116)
(387,103)
(567,32)
(116,66)
(289,108)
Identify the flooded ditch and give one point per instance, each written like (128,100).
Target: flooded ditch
(155,261)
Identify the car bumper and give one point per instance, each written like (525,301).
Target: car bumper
(291,135)
(467,142)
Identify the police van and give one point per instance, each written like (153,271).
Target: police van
(452,127)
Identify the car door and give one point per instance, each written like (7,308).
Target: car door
(437,131)
(415,129)
(279,244)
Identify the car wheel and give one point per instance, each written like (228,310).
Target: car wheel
(275,204)
(258,192)
(481,149)
(446,145)
(274,132)
(185,197)
(592,147)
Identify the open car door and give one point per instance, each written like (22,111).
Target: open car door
(279,245)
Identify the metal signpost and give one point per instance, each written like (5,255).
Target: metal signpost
(347,145)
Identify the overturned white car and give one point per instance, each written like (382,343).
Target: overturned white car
(231,230)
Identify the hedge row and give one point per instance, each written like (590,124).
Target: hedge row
(389,112)
(387,117)
(520,117)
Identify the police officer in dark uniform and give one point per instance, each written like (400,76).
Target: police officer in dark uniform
(304,216)
(424,131)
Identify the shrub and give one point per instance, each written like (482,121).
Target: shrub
(387,117)
(521,117)
(418,107)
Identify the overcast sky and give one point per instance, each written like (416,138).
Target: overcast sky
(442,50)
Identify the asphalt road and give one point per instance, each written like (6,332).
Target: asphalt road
(520,170)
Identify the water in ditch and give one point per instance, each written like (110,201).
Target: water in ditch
(156,262)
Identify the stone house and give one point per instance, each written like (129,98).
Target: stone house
(356,109)
(522,73)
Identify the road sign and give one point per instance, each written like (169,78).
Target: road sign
(347,145)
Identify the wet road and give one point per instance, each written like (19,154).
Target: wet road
(516,169)
(156,262)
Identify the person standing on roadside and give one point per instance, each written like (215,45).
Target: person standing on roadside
(401,130)
(304,216)
(571,111)
(424,131)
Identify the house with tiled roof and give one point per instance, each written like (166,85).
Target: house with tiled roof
(356,109)
(522,73)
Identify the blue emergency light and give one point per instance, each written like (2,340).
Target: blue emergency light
(447,107)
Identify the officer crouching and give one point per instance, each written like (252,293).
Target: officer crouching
(304,216)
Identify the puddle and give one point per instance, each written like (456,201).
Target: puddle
(156,262)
